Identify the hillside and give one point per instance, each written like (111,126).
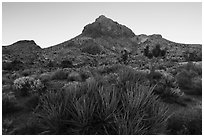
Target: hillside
(25,50)
(105,36)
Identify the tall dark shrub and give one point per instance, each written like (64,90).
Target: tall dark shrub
(146,51)
(156,51)
(66,64)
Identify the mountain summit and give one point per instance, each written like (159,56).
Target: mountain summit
(104,26)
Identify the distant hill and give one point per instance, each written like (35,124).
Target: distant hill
(26,51)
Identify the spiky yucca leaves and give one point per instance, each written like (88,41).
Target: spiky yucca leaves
(94,108)
(93,113)
(53,112)
(131,75)
(143,113)
(70,113)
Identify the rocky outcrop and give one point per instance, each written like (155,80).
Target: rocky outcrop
(104,26)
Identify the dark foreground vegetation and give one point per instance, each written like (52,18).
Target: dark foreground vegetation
(107,100)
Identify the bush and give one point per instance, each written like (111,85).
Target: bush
(7,66)
(74,76)
(184,80)
(192,55)
(59,75)
(156,51)
(30,127)
(186,121)
(92,108)
(66,64)
(31,102)
(6,80)
(196,69)
(13,65)
(45,77)
(9,103)
(108,69)
(26,72)
(7,126)
(131,75)
(197,86)
(189,78)
(92,48)
(26,86)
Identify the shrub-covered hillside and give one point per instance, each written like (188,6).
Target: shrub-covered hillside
(106,81)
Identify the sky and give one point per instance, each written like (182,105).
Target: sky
(51,23)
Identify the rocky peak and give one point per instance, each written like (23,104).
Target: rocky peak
(101,18)
(104,26)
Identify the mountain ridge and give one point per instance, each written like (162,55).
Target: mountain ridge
(103,36)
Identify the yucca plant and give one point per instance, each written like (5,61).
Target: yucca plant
(93,112)
(143,113)
(53,112)
(94,108)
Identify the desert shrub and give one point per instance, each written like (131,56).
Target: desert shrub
(45,77)
(26,72)
(9,103)
(12,65)
(154,75)
(192,56)
(137,101)
(92,49)
(186,121)
(7,66)
(184,79)
(190,66)
(55,84)
(188,78)
(74,76)
(85,74)
(26,86)
(131,75)
(196,86)
(108,69)
(66,64)
(52,114)
(7,126)
(156,51)
(31,102)
(30,127)
(7,88)
(17,64)
(59,75)
(146,51)
(163,52)
(6,80)
(91,108)
(51,63)
(15,75)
